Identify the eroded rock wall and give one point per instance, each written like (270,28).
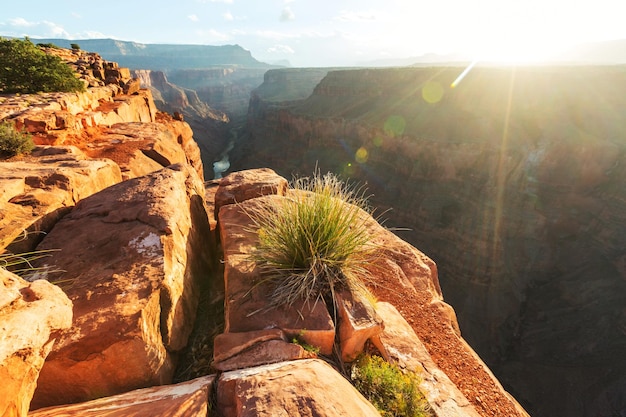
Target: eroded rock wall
(513,182)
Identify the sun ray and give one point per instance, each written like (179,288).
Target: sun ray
(463,74)
(501,172)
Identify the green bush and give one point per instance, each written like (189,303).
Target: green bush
(13,142)
(391,390)
(25,68)
(314,242)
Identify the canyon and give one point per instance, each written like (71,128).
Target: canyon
(513,180)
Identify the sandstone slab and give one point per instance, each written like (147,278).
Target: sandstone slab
(187,399)
(131,259)
(227,345)
(263,353)
(240,186)
(307,387)
(31,314)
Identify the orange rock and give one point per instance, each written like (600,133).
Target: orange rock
(187,399)
(358,322)
(244,185)
(132,257)
(227,345)
(307,387)
(30,316)
(263,353)
(39,189)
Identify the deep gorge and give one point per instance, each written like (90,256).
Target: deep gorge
(513,182)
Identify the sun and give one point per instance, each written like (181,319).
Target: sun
(518,32)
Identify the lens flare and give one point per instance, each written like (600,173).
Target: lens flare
(361,156)
(395,125)
(432,92)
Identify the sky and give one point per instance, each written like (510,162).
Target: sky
(331,32)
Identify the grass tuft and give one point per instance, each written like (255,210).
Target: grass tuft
(21,264)
(391,390)
(314,242)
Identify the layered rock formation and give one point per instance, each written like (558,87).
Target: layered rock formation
(210,127)
(513,180)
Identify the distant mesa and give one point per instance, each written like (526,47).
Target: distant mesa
(164,56)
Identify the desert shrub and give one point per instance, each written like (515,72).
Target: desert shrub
(48,45)
(12,141)
(314,241)
(25,68)
(391,390)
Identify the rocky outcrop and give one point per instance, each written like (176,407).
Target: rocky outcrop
(255,332)
(134,281)
(88,141)
(31,315)
(512,182)
(37,192)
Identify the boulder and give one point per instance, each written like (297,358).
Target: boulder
(240,186)
(247,298)
(187,399)
(39,190)
(308,387)
(31,314)
(131,259)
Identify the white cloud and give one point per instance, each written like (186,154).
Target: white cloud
(76,15)
(280,49)
(287,14)
(215,1)
(228,16)
(43,29)
(193,17)
(213,35)
(21,22)
(351,16)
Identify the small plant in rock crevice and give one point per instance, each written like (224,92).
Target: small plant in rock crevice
(12,141)
(393,391)
(314,241)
